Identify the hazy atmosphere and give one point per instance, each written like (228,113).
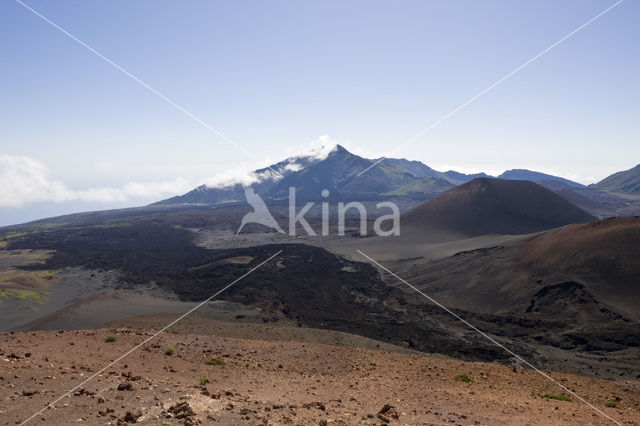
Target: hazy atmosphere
(78,134)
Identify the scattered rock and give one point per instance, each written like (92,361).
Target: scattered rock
(388,411)
(105,411)
(130,417)
(125,386)
(316,404)
(183,411)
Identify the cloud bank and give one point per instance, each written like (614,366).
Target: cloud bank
(25,180)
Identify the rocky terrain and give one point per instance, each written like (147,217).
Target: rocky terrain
(191,376)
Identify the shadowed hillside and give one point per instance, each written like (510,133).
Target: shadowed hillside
(485,206)
(606,251)
(574,288)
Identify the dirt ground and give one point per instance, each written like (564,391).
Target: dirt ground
(278,382)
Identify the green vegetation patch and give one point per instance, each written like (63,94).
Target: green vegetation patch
(4,239)
(10,235)
(464,378)
(613,403)
(215,361)
(203,380)
(31,296)
(111,225)
(559,397)
(169,350)
(44,273)
(35,276)
(111,337)
(412,187)
(36,256)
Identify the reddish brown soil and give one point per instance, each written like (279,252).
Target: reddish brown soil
(278,383)
(604,252)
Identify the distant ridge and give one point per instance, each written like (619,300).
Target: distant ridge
(486,205)
(548,181)
(458,178)
(333,168)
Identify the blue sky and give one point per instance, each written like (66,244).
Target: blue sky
(274,76)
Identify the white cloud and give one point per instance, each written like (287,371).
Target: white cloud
(156,189)
(242,174)
(320,148)
(25,180)
(292,166)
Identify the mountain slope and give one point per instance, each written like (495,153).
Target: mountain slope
(574,288)
(485,206)
(338,173)
(421,170)
(207,195)
(332,168)
(605,251)
(601,256)
(427,185)
(627,181)
(416,168)
(264,180)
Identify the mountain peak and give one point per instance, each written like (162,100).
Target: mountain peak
(338,149)
(320,150)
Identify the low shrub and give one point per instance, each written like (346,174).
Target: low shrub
(611,403)
(215,361)
(559,397)
(111,337)
(464,378)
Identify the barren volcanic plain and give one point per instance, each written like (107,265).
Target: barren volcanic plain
(321,334)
